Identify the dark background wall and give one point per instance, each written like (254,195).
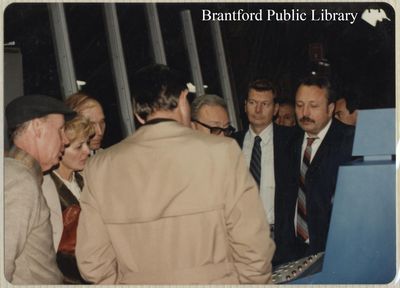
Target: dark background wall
(359,55)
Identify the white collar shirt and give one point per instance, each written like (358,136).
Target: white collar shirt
(317,142)
(71,185)
(267,179)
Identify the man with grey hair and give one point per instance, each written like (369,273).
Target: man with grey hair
(36,123)
(210,115)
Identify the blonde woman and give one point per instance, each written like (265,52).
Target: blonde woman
(62,188)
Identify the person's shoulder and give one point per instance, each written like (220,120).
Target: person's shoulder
(287,133)
(208,138)
(18,177)
(207,144)
(346,130)
(16,169)
(104,153)
(48,182)
(286,130)
(239,136)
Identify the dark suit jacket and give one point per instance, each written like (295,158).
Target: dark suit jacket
(320,183)
(282,138)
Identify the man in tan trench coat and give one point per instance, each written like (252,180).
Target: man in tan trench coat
(171,205)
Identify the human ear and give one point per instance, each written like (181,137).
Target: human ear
(184,108)
(331,108)
(37,126)
(140,119)
(276,108)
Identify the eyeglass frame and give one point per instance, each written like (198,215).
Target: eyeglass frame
(228,131)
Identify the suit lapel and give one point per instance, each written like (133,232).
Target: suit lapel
(324,148)
(298,143)
(241,138)
(276,145)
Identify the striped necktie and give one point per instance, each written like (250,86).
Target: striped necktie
(255,162)
(301,224)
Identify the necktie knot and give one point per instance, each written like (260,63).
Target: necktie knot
(310,140)
(257,140)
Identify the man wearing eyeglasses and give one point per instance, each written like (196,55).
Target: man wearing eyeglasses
(266,162)
(210,115)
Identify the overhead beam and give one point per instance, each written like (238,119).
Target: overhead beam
(155,33)
(223,71)
(191,47)
(119,68)
(62,46)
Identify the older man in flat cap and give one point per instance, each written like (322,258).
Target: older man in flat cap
(36,123)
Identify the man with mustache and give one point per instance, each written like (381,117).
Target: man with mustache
(317,154)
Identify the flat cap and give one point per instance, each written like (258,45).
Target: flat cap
(28,107)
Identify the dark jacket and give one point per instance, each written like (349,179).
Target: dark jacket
(320,183)
(282,138)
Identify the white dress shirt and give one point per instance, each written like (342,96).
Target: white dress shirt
(317,142)
(267,179)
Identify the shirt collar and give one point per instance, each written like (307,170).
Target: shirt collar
(322,133)
(62,179)
(265,134)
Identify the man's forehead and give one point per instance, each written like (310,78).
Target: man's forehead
(311,92)
(286,108)
(341,102)
(94,113)
(55,119)
(314,88)
(206,108)
(213,113)
(266,94)
(285,112)
(55,116)
(214,117)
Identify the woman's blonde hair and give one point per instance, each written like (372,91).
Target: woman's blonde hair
(78,127)
(81,101)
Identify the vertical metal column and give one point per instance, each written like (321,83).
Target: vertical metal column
(223,71)
(192,51)
(65,63)
(119,69)
(155,33)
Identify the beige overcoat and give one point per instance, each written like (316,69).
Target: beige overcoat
(169,205)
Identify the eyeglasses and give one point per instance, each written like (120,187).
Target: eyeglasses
(217,130)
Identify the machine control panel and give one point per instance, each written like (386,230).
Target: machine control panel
(299,268)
